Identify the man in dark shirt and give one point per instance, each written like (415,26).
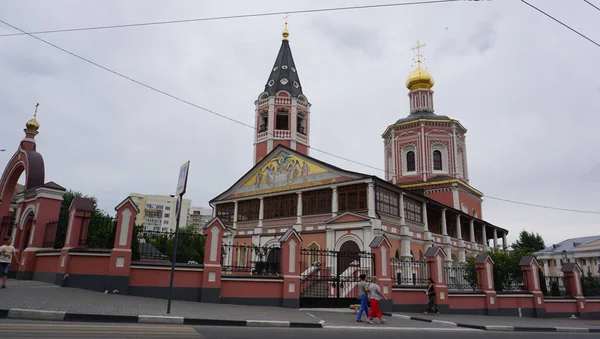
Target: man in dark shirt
(430,292)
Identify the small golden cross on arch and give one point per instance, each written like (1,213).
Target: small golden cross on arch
(36,109)
(417,48)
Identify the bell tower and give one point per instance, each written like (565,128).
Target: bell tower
(282,112)
(428,152)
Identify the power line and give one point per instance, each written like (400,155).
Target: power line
(560,22)
(591,4)
(240,16)
(245,124)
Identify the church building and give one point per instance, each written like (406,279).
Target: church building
(425,198)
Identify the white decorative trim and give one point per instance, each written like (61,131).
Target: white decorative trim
(230,278)
(47,254)
(161,268)
(83,254)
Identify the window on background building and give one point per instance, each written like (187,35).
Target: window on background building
(248,210)
(411,165)
(282,120)
(412,210)
(281,206)
(437,160)
(387,201)
(352,198)
(166,222)
(168,208)
(225,212)
(167,215)
(316,202)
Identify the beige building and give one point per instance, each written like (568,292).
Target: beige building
(199,216)
(584,251)
(157,212)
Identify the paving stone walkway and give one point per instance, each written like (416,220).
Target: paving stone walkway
(35,295)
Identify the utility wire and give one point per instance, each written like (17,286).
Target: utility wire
(240,16)
(248,125)
(591,4)
(560,22)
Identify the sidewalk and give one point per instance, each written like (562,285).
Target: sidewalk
(27,299)
(497,323)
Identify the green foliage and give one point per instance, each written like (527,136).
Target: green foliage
(507,271)
(135,244)
(590,285)
(190,245)
(542,280)
(470,271)
(529,242)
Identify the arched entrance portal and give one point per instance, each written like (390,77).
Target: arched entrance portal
(348,255)
(274,261)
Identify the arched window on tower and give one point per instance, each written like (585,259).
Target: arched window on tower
(424,101)
(263,122)
(410,161)
(282,122)
(437,160)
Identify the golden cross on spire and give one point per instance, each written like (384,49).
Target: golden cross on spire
(417,48)
(36,109)
(285,33)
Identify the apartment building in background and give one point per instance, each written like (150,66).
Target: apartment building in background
(584,251)
(157,212)
(199,216)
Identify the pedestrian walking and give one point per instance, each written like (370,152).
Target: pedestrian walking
(430,292)
(375,297)
(362,296)
(6,253)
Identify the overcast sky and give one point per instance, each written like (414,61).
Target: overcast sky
(525,87)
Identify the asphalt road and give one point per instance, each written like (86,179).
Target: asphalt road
(22,329)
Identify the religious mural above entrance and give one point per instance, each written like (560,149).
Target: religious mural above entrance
(285,171)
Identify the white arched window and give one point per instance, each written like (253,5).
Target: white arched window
(439,158)
(409,160)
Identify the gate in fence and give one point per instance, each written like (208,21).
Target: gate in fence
(330,278)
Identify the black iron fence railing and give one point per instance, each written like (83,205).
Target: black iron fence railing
(158,246)
(590,286)
(460,277)
(251,259)
(409,272)
(50,236)
(555,286)
(517,284)
(98,231)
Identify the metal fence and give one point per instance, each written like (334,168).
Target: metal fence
(251,259)
(50,236)
(6,226)
(409,272)
(590,286)
(515,284)
(460,277)
(555,286)
(98,231)
(158,246)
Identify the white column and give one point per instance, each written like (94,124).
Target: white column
(334,202)
(394,160)
(235,214)
(504,244)
(458,227)
(402,215)
(299,210)
(261,212)
(425,221)
(483,236)
(270,124)
(294,117)
(495,238)
(546,268)
(444,225)
(472,231)
(371,200)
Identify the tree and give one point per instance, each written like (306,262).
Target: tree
(507,271)
(528,243)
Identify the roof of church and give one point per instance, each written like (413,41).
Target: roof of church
(422,115)
(284,76)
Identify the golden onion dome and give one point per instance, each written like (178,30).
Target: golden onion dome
(33,124)
(419,79)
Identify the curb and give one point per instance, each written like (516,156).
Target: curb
(15,313)
(500,328)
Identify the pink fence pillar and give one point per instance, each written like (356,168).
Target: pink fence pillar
(290,268)
(484,265)
(382,248)
(531,279)
(213,252)
(436,258)
(572,273)
(120,256)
